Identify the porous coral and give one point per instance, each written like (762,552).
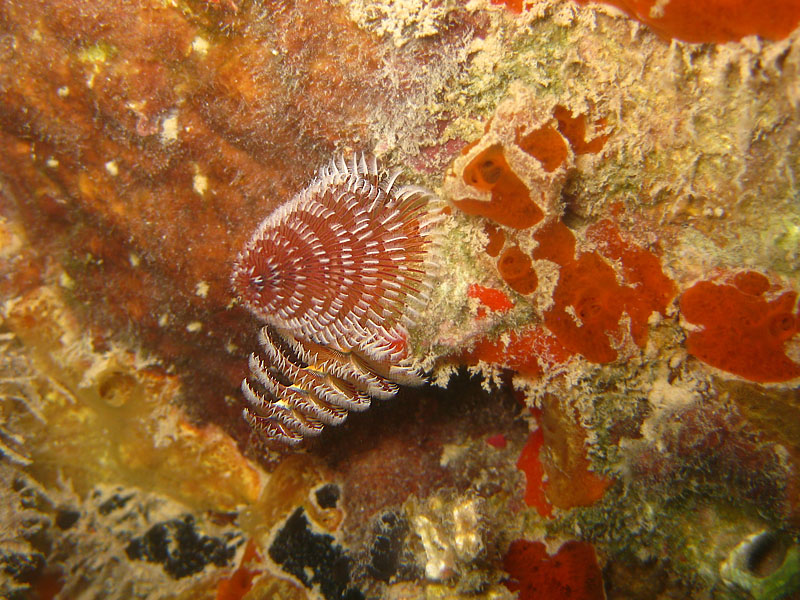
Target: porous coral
(739,329)
(571,573)
(554,461)
(715,21)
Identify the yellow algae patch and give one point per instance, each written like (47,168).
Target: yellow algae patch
(110,416)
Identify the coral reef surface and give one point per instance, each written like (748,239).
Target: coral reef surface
(610,346)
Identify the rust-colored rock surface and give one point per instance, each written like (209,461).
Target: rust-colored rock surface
(142,143)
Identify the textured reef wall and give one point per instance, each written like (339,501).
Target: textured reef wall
(612,340)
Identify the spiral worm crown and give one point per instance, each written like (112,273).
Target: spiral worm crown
(337,274)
